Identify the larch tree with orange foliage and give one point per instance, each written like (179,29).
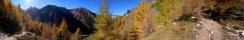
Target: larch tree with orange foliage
(10,17)
(64,30)
(137,30)
(102,22)
(76,35)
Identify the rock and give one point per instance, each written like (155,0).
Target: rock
(240,32)
(193,17)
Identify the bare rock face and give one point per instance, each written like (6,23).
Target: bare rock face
(84,15)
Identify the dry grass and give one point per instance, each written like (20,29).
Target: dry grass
(181,31)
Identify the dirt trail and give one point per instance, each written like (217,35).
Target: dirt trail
(211,31)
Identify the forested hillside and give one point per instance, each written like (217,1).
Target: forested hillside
(149,20)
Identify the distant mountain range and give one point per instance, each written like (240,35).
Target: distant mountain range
(75,18)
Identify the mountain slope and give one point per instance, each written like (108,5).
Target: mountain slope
(33,11)
(52,14)
(84,15)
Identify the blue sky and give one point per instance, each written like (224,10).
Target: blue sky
(117,7)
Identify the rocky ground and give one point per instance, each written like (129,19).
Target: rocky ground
(211,30)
